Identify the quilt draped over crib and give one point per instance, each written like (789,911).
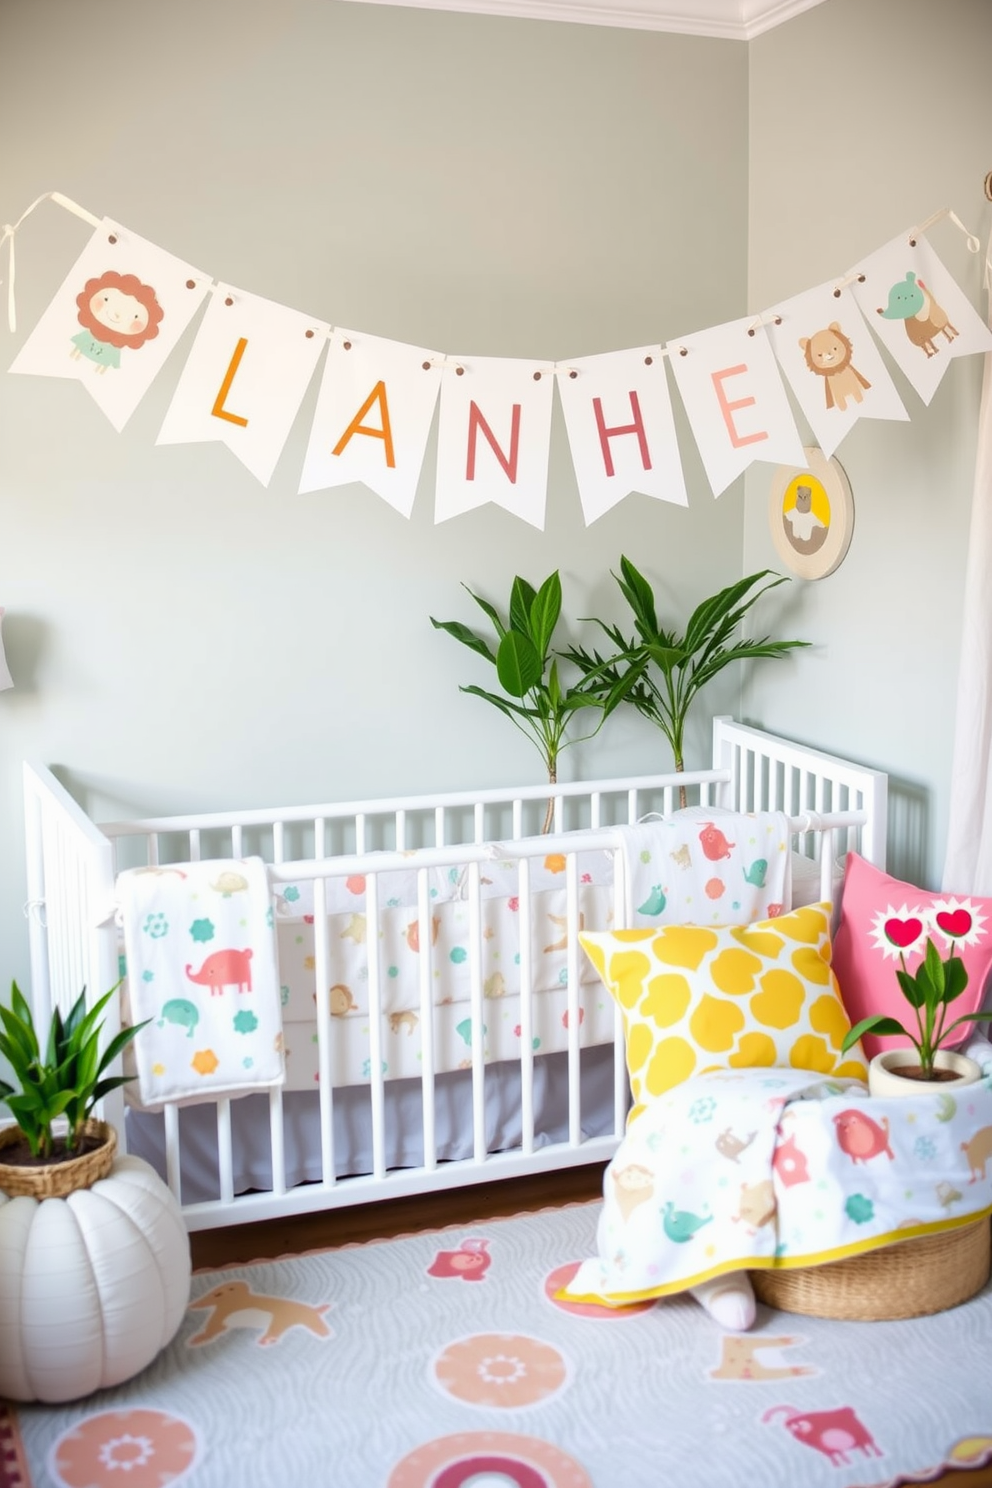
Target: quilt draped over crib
(201,966)
(758,1168)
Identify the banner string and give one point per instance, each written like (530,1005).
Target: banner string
(7,236)
(973,244)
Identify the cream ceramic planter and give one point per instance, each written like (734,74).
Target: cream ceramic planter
(884,1079)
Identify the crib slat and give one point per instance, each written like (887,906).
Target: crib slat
(476,1004)
(425,974)
(322,982)
(277,1141)
(526,1006)
(225,1156)
(374,945)
(170,1121)
(572,998)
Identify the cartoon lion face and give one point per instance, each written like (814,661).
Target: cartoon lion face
(119,309)
(827,352)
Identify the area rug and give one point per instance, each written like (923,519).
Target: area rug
(447,1360)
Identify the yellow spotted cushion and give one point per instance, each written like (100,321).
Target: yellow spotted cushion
(697,998)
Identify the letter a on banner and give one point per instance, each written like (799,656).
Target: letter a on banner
(245,378)
(114,320)
(373,417)
(494,437)
(734,399)
(620,429)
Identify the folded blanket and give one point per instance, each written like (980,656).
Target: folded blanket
(699,868)
(201,964)
(748,1169)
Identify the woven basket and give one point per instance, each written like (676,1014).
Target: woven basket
(912,1278)
(55,1180)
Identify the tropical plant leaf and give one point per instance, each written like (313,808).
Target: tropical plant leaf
(522,597)
(466,636)
(518,665)
(545,612)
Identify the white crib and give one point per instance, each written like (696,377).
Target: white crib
(296,1151)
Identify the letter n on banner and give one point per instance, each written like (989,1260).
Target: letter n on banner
(735,400)
(494,436)
(621,431)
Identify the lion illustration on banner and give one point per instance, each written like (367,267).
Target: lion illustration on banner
(115,311)
(828,355)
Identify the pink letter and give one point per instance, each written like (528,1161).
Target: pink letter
(637,427)
(727,409)
(475,422)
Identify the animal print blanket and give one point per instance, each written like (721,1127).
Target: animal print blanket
(745,1169)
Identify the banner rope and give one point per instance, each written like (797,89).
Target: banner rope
(9,230)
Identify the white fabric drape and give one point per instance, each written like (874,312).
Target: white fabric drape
(968,861)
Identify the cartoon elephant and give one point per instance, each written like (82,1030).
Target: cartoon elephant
(224,969)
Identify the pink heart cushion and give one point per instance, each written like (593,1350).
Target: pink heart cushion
(881,917)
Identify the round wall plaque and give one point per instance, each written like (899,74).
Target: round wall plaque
(811,515)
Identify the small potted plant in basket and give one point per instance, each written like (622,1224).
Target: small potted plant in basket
(56,1145)
(929,990)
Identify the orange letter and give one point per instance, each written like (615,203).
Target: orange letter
(637,427)
(218,410)
(727,409)
(476,421)
(377,395)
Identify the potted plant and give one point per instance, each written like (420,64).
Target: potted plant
(660,671)
(929,990)
(534,697)
(93,1246)
(57,1145)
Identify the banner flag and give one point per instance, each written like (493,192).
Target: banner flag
(832,364)
(621,429)
(917,311)
(114,319)
(245,378)
(734,399)
(373,418)
(494,436)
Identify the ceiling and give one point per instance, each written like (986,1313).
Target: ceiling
(736,20)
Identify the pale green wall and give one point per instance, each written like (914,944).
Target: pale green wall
(865,117)
(182,638)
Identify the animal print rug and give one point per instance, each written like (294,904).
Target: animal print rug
(449,1359)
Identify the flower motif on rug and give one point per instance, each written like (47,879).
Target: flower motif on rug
(501,1370)
(144,1448)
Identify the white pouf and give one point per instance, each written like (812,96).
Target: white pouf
(92,1286)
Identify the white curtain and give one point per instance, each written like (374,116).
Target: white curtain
(968,862)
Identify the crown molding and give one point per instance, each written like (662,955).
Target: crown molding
(733,20)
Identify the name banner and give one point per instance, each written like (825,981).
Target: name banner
(125,304)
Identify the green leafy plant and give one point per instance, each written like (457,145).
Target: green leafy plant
(929,990)
(660,671)
(66,1080)
(534,697)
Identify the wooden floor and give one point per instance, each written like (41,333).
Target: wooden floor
(361,1222)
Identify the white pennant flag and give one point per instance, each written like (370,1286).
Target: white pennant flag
(832,363)
(734,399)
(917,311)
(621,429)
(114,320)
(373,417)
(245,379)
(494,437)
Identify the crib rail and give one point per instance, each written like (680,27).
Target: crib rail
(72,867)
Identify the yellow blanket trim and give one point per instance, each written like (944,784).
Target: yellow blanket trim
(775,1263)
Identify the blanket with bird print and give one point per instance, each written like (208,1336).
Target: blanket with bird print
(755,1168)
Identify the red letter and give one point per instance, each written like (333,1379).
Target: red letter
(218,410)
(476,421)
(377,395)
(727,409)
(637,427)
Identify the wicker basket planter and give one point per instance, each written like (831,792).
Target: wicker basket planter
(912,1278)
(55,1180)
